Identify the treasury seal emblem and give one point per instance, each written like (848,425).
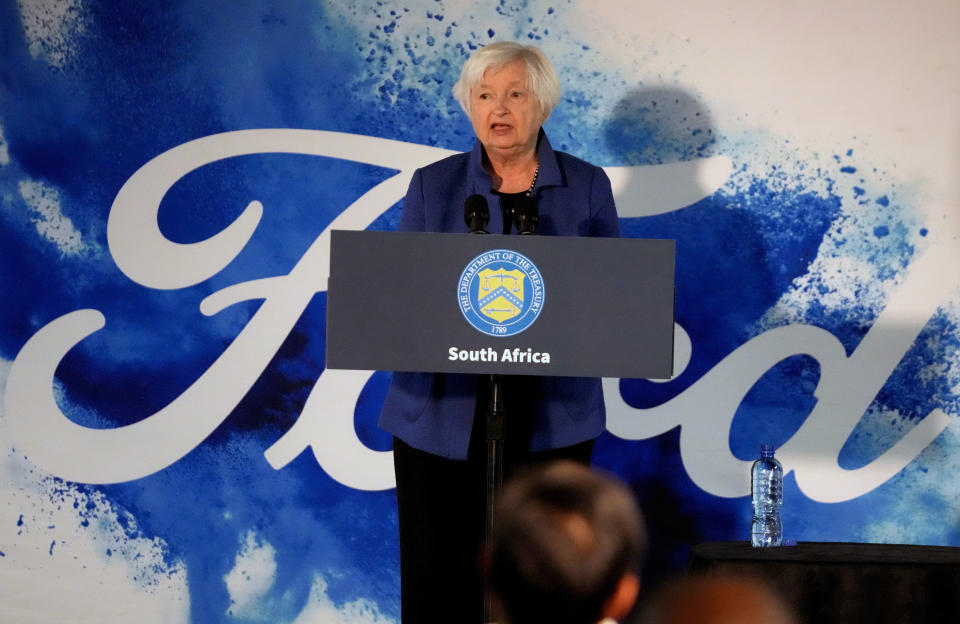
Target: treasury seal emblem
(500,292)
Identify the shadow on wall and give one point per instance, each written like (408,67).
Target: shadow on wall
(737,253)
(657,127)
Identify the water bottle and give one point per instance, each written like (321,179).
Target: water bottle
(767,492)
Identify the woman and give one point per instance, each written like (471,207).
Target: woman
(507,90)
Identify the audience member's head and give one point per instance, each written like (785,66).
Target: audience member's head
(565,547)
(716,599)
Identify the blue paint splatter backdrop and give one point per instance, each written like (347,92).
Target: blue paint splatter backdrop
(91,91)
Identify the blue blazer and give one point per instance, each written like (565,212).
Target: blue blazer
(435,412)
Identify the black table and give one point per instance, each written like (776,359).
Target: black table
(840,582)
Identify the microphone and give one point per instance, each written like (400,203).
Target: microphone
(526,216)
(476,214)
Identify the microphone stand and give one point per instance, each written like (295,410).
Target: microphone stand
(526,220)
(495,444)
(494,420)
(476,216)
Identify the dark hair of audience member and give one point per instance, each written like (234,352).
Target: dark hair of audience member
(566,541)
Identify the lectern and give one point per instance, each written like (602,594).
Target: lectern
(500,305)
(510,305)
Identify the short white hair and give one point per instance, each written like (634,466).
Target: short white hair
(542,79)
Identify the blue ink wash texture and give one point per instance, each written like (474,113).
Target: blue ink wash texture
(140,78)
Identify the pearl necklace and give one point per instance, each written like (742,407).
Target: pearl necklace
(533,182)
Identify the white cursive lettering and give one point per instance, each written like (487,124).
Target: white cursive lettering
(847,384)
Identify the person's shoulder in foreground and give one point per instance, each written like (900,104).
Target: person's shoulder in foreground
(716,599)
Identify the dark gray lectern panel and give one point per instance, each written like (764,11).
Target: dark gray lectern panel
(567,306)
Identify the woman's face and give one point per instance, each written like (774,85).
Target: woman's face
(505,115)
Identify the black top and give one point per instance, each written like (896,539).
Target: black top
(509,203)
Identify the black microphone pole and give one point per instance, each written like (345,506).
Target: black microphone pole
(526,217)
(477,214)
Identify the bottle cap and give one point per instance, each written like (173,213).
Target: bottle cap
(766,451)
